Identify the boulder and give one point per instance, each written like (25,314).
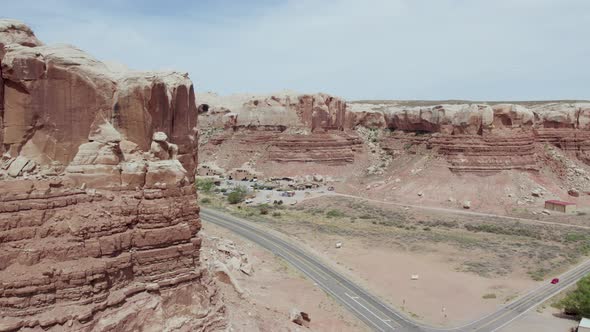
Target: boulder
(160,137)
(573,192)
(169,172)
(17,165)
(299,317)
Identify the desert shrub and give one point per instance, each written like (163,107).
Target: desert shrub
(205,185)
(334,214)
(575,237)
(263,209)
(518,230)
(237,195)
(489,296)
(206,200)
(577,302)
(276,214)
(539,274)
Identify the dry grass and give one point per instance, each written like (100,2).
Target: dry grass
(490,247)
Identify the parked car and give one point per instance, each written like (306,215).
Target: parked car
(555,281)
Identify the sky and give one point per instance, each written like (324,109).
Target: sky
(371,49)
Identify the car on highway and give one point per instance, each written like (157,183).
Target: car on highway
(554,280)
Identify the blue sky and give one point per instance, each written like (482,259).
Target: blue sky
(372,49)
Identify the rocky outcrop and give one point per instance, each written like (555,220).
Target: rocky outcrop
(320,129)
(98,216)
(69,254)
(54,94)
(481,138)
(284,127)
(330,149)
(303,112)
(487,153)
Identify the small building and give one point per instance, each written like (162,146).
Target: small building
(560,206)
(584,325)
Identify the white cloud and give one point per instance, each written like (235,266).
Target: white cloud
(406,49)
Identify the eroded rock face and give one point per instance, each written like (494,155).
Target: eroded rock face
(98,216)
(54,94)
(319,129)
(482,138)
(314,113)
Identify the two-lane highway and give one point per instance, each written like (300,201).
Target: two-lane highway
(374,312)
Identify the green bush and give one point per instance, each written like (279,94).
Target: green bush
(577,302)
(237,195)
(575,237)
(205,185)
(334,214)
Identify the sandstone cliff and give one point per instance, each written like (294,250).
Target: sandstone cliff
(481,137)
(289,128)
(98,217)
(285,127)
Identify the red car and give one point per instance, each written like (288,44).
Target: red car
(555,280)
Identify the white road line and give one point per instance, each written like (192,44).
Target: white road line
(304,261)
(327,289)
(552,294)
(383,320)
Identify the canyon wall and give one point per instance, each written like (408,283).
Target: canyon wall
(98,216)
(321,129)
(284,128)
(481,137)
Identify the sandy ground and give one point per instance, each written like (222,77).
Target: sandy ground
(441,296)
(273,290)
(383,258)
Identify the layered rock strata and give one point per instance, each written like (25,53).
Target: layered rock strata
(330,149)
(98,216)
(283,128)
(482,138)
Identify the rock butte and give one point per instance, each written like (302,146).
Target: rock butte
(98,217)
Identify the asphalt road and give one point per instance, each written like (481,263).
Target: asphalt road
(375,313)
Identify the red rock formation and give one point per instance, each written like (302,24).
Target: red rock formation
(284,128)
(481,138)
(487,153)
(98,213)
(317,112)
(331,149)
(52,96)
